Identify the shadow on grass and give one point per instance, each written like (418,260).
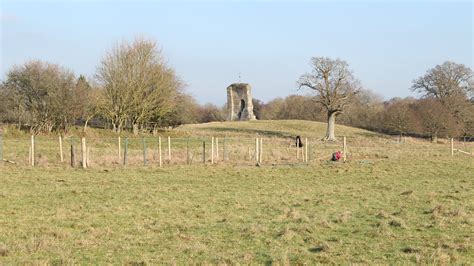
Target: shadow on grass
(318,249)
(254,131)
(368,134)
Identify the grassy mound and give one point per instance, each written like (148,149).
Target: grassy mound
(272,128)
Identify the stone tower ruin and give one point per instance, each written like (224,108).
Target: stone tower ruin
(239,102)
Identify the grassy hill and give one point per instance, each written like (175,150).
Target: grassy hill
(262,128)
(272,128)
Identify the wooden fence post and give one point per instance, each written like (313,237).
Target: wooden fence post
(204,151)
(212,150)
(217,149)
(119,149)
(32,159)
(73,156)
(144,151)
(260,154)
(169,149)
(159,151)
(452,147)
(306,150)
(61,148)
(125,152)
(84,152)
(344,149)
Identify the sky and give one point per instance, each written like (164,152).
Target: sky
(267,43)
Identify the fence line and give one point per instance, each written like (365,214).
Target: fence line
(458,150)
(96,152)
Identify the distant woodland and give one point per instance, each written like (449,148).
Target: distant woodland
(134,89)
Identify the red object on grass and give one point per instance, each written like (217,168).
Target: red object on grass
(336,156)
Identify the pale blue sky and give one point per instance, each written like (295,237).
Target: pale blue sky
(387,44)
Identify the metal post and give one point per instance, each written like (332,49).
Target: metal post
(73,156)
(297,149)
(204,151)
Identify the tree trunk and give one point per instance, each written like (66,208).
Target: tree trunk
(85,125)
(135,129)
(434,138)
(50,127)
(331,124)
(120,127)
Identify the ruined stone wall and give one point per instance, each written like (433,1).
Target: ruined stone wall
(239,102)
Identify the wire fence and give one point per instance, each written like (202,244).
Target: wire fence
(162,151)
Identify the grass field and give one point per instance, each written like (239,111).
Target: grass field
(401,209)
(237,142)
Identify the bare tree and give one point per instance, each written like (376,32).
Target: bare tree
(363,110)
(138,85)
(41,92)
(445,80)
(86,101)
(12,109)
(436,120)
(186,111)
(257,108)
(271,109)
(452,85)
(334,84)
(400,117)
(209,113)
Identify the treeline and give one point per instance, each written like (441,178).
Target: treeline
(425,117)
(133,89)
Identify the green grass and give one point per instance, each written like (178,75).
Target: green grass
(391,202)
(383,211)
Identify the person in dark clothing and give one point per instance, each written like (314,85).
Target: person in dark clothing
(298,142)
